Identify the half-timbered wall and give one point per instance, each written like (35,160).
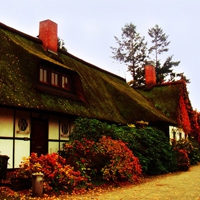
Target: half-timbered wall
(15,133)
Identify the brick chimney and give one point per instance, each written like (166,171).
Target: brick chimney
(150,75)
(48,35)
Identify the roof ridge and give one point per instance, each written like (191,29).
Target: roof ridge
(35,39)
(90,64)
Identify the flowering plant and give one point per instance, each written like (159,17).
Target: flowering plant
(106,159)
(183,160)
(122,163)
(57,174)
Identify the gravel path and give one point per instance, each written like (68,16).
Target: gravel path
(175,186)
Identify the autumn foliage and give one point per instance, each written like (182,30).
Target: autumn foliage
(85,162)
(107,159)
(183,117)
(183,160)
(58,175)
(103,153)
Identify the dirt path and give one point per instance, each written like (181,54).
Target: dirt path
(176,186)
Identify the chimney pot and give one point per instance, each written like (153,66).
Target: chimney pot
(48,35)
(150,75)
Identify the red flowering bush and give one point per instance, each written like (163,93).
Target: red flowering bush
(183,160)
(81,155)
(121,163)
(57,174)
(106,159)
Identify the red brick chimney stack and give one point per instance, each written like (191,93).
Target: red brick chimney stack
(150,75)
(48,35)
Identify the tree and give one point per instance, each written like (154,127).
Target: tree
(131,51)
(61,44)
(160,45)
(166,70)
(159,41)
(183,77)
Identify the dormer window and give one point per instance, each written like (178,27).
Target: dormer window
(55,79)
(43,75)
(60,81)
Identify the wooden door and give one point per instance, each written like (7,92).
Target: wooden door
(39,136)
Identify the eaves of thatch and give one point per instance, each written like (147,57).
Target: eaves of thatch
(105,95)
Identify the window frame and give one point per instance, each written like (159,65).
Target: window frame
(42,78)
(49,78)
(68,82)
(54,77)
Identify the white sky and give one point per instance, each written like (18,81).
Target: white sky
(88,28)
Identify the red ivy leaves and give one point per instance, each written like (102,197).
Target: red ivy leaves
(183,117)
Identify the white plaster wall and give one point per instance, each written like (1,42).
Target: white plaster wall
(6,148)
(53,128)
(61,145)
(53,147)
(22,149)
(6,122)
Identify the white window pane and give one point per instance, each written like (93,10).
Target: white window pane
(64,82)
(45,75)
(41,74)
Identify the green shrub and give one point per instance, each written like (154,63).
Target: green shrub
(150,145)
(191,147)
(92,129)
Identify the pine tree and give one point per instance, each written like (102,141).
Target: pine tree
(159,41)
(131,51)
(160,45)
(164,71)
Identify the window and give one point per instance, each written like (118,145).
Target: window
(22,124)
(174,135)
(65,82)
(65,130)
(180,136)
(43,75)
(54,79)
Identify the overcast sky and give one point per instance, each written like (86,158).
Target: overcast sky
(88,28)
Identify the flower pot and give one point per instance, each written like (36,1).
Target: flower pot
(18,184)
(3,166)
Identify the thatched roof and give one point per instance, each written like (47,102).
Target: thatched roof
(105,96)
(171,99)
